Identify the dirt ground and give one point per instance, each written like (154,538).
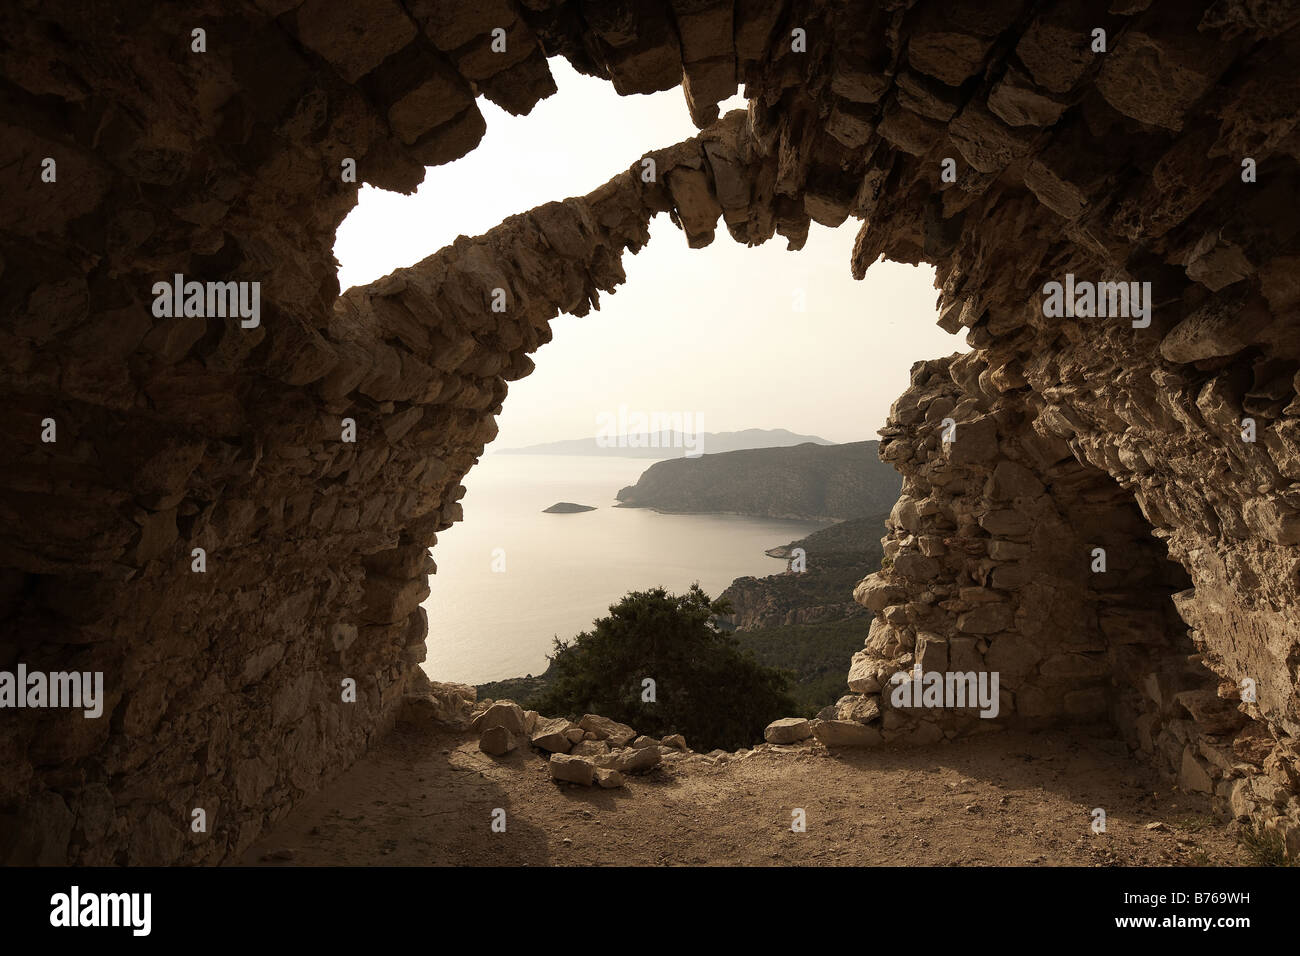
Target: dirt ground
(1007,799)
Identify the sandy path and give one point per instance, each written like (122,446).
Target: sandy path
(1006,799)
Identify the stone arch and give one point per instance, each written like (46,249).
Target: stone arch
(222,686)
(1007,555)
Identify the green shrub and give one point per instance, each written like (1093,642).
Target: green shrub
(705,686)
(815,656)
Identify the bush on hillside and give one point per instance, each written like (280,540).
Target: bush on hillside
(705,686)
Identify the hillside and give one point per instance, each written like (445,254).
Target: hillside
(665,444)
(807,623)
(804,481)
(836,559)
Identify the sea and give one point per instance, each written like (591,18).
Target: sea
(511,578)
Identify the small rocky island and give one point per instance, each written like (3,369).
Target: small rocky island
(566,508)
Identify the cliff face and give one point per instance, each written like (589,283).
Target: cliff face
(807,481)
(765,602)
(1010,144)
(816,589)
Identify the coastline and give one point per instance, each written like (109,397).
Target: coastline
(820,519)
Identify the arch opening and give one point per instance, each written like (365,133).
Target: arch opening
(193,433)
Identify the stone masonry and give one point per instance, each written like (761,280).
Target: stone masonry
(1010,143)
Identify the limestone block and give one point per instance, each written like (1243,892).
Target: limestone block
(497,741)
(437,98)
(931,652)
(1212,715)
(389,600)
(1193,775)
(947,56)
(850,124)
(1006,522)
(630,760)
(579,770)
(986,142)
(911,133)
(862,674)
(787,730)
(354,37)
(1274,520)
(1155,79)
(697,207)
(963,656)
(985,619)
(1017,102)
(875,593)
(1009,550)
(1253,744)
(975,442)
(1056,46)
(549,734)
(502,713)
(618,735)
(860,707)
(917,566)
(1010,481)
(608,779)
(1224,325)
(649,65)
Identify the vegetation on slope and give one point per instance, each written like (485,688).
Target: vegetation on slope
(814,658)
(835,558)
(704,685)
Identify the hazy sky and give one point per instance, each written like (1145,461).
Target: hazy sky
(713,333)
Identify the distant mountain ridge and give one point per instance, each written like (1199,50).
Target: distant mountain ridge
(805,481)
(668,444)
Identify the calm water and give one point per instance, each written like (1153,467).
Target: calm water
(564,570)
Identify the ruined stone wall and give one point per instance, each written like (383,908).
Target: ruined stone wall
(1169,159)
(225,156)
(1006,555)
(995,140)
(991,563)
(224,686)
(314,484)
(225,142)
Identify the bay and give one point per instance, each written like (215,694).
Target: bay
(562,571)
